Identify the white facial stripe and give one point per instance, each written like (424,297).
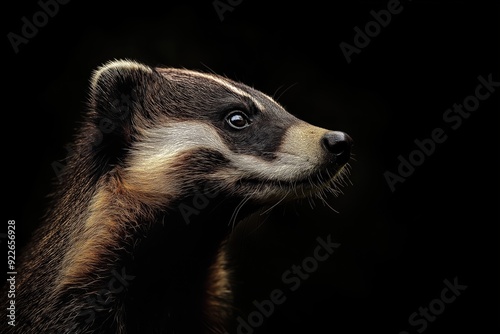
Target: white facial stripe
(162,144)
(161,147)
(297,157)
(149,166)
(224,83)
(285,167)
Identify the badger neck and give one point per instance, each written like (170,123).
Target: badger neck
(158,269)
(181,272)
(111,262)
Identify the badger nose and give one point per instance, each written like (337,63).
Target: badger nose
(338,144)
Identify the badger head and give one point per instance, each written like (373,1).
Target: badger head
(169,133)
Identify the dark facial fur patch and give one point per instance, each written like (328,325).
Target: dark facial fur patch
(212,101)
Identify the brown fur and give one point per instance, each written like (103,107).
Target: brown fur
(115,253)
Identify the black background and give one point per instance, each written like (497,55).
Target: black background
(397,247)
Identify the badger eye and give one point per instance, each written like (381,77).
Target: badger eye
(238,120)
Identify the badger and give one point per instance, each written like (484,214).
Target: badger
(166,161)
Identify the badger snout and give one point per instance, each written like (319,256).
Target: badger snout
(338,146)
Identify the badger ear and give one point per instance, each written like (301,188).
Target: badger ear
(117,86)
(118,91)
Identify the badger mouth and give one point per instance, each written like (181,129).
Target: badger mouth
(319,183)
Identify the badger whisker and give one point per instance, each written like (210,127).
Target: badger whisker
(277,203)
(236,211)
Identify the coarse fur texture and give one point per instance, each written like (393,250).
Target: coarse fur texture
(165,163)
